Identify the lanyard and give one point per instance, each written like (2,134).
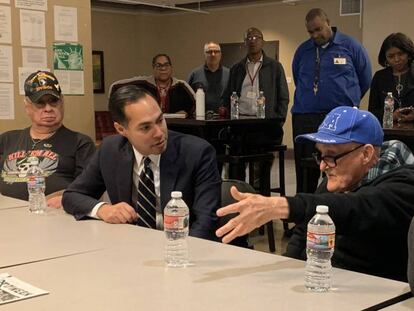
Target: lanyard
(254,73)
(317,71)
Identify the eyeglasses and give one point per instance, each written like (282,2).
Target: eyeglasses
(253,38)
(52,102)
(331,160)
(211,52)
(160,66)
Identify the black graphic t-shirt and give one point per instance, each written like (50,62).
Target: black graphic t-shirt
(62,157)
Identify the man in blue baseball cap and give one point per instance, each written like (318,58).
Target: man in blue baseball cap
(368,186)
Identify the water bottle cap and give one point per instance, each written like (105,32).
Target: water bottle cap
(176,194)
(323,209)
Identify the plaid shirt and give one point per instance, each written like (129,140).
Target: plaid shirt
(393,154)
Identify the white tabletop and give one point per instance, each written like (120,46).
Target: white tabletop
(28,237)
(8,202)
(133,276)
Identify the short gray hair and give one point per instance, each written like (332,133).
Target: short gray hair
(211,42)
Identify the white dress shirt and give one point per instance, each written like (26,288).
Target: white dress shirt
(138,167)
(250,92)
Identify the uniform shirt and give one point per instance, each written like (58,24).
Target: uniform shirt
(345,75)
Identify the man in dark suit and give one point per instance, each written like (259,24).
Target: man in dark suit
(179,163)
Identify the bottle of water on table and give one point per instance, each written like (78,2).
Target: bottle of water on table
(261,106)
(319,249)
(176,225)
(234,106)
(36,188)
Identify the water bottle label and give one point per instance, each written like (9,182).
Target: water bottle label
(320,241)
(33,181)
(175,222)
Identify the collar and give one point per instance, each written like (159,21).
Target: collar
(151,80)
(155,158)
(208,69)
(248,61)
(393,155)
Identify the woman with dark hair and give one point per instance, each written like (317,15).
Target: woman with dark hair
(396,56)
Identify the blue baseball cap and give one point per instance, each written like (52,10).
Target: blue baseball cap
(346,124)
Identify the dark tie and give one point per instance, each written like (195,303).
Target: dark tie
(146,197)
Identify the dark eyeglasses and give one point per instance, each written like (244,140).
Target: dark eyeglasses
(331,160)
(160,66)
(52,102)
(211,52)
(253,38)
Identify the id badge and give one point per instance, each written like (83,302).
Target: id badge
(340,61)
(251,95)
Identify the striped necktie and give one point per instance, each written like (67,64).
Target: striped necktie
(146,197)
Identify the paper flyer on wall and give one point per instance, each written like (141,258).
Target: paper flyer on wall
(13,289)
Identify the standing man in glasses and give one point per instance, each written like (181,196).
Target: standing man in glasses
(211,76)
(172,94)
(258,72)
(254,73)
(330,69)
(369,188)
(62,154)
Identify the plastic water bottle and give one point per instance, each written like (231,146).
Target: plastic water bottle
(234,106)
(36,188)
(200,104)
(387,120)
(319,249)
(260,105)
(176,224)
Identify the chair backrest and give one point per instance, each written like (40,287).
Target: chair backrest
(226,184)
(227,199)
(104,126)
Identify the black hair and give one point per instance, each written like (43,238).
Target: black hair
(154,59)
(252,29)
(400,41)
(122,97)
(314,13)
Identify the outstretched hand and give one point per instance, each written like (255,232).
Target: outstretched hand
(254,210)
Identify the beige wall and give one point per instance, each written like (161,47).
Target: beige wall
(182,35)
(383,17)
(78,109)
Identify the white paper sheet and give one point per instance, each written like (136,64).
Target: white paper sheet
(66,23)
(71,82)
(13,289)
(32,28)
(35,58)
(6,101)
(6,63)
(32,4)
(5,25)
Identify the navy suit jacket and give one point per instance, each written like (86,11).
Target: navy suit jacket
(188,165)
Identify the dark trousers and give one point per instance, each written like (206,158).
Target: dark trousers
(304,124)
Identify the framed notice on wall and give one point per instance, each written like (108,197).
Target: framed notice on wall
(98,72)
